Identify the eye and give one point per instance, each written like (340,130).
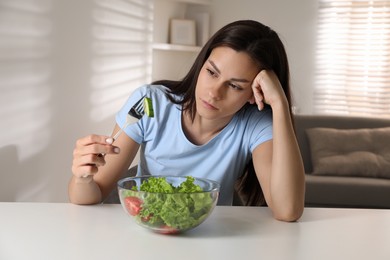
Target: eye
(211,72)
(234,86)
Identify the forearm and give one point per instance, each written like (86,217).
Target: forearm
(104,171)
(287,180)
(84,191)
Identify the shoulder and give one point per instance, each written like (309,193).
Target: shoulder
(157,93)
(255,126)
(252,116)
(160,96)
(162,105)
(149,90)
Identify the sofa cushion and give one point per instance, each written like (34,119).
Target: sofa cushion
(350,152)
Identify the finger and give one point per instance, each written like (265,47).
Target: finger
(95,149)
(85,170)
(260,104)
(90,159)
(94,139)
(88,164)
(100,149)
(258,95)
(257,86)
(81,170)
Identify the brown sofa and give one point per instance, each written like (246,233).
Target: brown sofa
(343,188)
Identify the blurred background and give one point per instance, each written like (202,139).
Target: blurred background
(67,66)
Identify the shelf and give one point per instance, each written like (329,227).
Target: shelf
(173,61)
(175,47)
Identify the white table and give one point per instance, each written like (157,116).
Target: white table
(65,231)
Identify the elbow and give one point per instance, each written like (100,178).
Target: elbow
(289,217)
(83,201)
(289,214)
(84,193)
(290,209)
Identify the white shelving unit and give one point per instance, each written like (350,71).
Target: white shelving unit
(172,61)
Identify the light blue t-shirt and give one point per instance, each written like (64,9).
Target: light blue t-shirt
(165,150)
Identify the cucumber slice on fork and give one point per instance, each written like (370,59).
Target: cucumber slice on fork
(148,107)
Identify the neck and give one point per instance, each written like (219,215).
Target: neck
(202,130)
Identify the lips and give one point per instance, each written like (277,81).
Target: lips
(208,105)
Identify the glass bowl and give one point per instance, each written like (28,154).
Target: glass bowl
(172,204)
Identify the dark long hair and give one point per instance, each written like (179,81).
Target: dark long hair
(262,44)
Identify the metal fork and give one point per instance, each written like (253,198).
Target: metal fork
(136,112)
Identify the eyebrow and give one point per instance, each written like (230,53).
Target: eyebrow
(219,72)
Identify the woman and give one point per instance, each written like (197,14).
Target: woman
(232,107)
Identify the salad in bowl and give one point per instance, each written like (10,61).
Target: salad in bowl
(168,204)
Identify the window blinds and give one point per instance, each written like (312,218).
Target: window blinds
(353,58)
(121,49)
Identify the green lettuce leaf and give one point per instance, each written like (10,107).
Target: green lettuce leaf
(178,207)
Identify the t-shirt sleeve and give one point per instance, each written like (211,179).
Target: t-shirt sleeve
(261,128)
(134,131)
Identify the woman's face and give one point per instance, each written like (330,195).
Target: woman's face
(224,83)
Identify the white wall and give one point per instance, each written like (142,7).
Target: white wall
(45,81)
(63,75)
(58,83)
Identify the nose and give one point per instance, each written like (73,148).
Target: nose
(216,91)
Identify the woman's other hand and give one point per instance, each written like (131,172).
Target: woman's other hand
(267,90)
(88,154)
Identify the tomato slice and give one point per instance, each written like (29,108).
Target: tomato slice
(133,205)
(165,229)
